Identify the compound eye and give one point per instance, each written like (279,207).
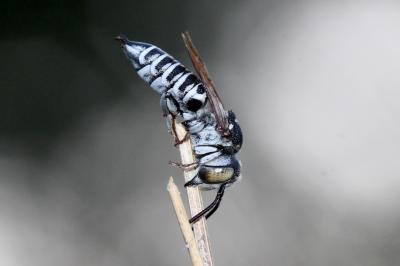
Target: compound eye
(215,175)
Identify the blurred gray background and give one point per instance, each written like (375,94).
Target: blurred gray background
(84,149)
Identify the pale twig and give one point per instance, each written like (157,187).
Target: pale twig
(194,197)
(184,223)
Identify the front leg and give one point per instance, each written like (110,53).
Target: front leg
(195,181)
(210,209)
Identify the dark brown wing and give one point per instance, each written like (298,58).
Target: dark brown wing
(215,101)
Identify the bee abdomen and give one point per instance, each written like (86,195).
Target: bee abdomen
(165,74)
(156,67)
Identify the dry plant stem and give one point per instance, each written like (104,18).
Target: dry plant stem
(184,223)
(195,200)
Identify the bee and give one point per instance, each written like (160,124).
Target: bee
(215,133)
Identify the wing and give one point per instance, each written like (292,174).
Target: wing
(215,101)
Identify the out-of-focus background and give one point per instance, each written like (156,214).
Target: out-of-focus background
(84,149)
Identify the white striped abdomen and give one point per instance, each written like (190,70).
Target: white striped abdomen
(166,76)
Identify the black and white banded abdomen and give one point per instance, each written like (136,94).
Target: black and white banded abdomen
(167,76)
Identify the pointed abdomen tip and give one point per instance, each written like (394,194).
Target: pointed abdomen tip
(121,38)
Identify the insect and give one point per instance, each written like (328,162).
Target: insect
(215,133)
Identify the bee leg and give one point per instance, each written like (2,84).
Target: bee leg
(179,142)
(187,167)
(171,118)
(211,212)
(170,108)
(167,113)
(206,157)
(163,104)
(175,135)
(193,182)
(210,209)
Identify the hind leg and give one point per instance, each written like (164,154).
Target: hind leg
(175,134)
(170,109)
